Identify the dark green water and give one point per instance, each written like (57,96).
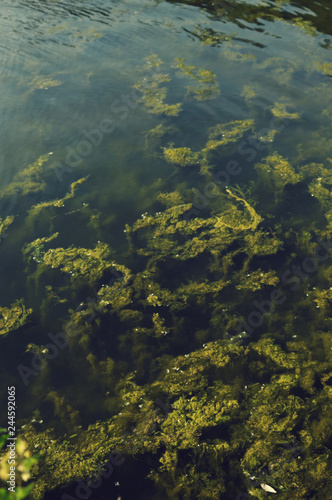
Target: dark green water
(111,91)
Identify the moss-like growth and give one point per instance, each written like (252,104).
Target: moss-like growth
(84,263)
(59,203)
(277,170)
(325,68)
(4,223)
(305,25)
(256,279)
(153,96)
(223,134)
(248,92)
(13,317)
(160,130)
(205,86)
(280,111)
(28,180)
(35,249)
(235,55)
(208,36)
(43,83)
(183,157)
(247,403)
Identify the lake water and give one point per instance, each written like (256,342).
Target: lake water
(228,106)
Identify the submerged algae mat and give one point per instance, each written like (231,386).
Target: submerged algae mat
(245,404)
(203,341)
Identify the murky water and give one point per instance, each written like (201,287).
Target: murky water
(110,91)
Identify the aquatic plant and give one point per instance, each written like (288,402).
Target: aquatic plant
(43,82)
(276,172)
(35,249)
(223,134)
(13,317)
(4,223)
(305,25)
(183,157)
(248,92)
(279,111)
(205,86)
(89,264)
(167,319)
(245,413)
(209,36)
(231,53)
(28,180)
(59,203)
(153,96)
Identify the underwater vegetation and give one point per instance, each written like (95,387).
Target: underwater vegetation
(205,85)
(28,180)
(4,223)
(280,111)
(153,95)
(43,83)
(167,315)
(238,406)
(11,318)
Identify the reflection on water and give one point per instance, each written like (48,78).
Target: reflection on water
(165,217)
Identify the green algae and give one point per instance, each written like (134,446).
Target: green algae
(235,55)
(317,172)
(205,86)
(84,263)
(208,36)
(305,25)
(35,249)
(4,223)
(253,401)
(326,68)
(160,130)
(248,92)
(236,412)
(277,172)
(28,180)
(261,419)
(153,95)
(59,203)
(13,317)
(43,83)
(183,157)
(79,263)
(255,280)
(218,136)
(223,134)
(281,70)
(280,111)
(152,61)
